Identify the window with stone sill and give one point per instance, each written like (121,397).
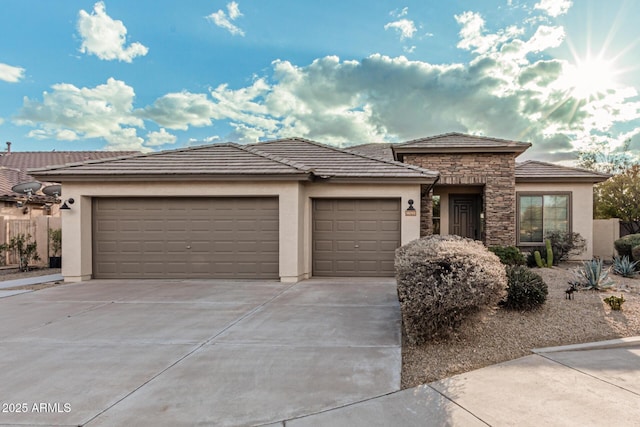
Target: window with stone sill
(540,213)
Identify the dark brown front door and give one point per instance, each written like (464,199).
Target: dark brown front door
(464,216)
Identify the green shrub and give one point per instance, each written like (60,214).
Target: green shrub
(625,245)
(509,255)
(526,290)
(591,275)
(624,267)
(26,249)
(444,281)
(635,253)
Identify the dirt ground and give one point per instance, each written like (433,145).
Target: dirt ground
(506,335)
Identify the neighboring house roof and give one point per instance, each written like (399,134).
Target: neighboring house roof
(536,171)
(286,158)
(14,166)
(380,150)
(332,162)
(458,143)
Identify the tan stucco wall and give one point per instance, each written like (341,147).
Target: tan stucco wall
(581,208)
(294,206)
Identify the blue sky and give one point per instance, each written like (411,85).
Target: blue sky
(158,74)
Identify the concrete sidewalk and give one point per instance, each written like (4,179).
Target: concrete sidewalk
(593,384)
(27,281)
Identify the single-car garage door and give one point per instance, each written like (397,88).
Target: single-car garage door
(185,237)
(355,237)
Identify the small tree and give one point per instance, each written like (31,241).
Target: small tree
(619,197)
(26,249)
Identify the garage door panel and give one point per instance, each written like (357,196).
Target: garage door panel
(355,237)
(186,237)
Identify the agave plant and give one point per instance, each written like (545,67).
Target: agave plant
(624,266)
(592,275)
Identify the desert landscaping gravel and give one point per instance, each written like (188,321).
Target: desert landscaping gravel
(506,335)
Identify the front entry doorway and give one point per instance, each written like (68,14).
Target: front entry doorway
(464,211)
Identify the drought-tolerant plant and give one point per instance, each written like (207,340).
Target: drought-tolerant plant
(548,262)
(624,266)
(592,275)
(26,249)
(615,302)
(625,245)
(526,290)
(509,255)
(444,281)
(565,244)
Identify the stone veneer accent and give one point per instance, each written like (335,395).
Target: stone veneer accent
(495,170)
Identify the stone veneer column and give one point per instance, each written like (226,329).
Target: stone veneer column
(496,171)
(426,212)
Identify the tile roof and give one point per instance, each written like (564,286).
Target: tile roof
(39,159)
(459,142)
(217,160)
(334,162)
(293,157)
(536,171)
(14,165)
(380,150)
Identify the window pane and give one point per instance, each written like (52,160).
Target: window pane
(531,227)
(556,213)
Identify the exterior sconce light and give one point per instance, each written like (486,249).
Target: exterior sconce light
(411,211)
(65,206)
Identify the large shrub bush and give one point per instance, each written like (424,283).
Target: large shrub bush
(625,245)
(526,290)
(635,253)
(443,281)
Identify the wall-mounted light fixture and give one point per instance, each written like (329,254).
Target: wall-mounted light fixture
(65,206)
(411,211)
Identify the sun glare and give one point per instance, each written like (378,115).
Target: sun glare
(591,77)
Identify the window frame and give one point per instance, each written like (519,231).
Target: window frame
(519,194)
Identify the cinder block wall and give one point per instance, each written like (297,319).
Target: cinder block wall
(496,171)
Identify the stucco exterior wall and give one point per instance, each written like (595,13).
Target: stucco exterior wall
(581,208)
(494,171)
(295,209)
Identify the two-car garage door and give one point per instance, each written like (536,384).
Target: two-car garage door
(185,237)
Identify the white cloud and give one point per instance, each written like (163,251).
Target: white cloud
(405,27)
(11,74)
(105,37)
(161,137)
(223,20)
(71,113)
(181,110)
(554,8)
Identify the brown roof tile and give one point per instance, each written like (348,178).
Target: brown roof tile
(334,162)
(217,160)
(536,171)
(380,150)
(295,157)
(459,142)
(39,159)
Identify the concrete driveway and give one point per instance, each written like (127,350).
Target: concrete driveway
(195,352)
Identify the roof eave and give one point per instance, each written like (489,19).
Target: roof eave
(173,177)
(449,150)
(562,179)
